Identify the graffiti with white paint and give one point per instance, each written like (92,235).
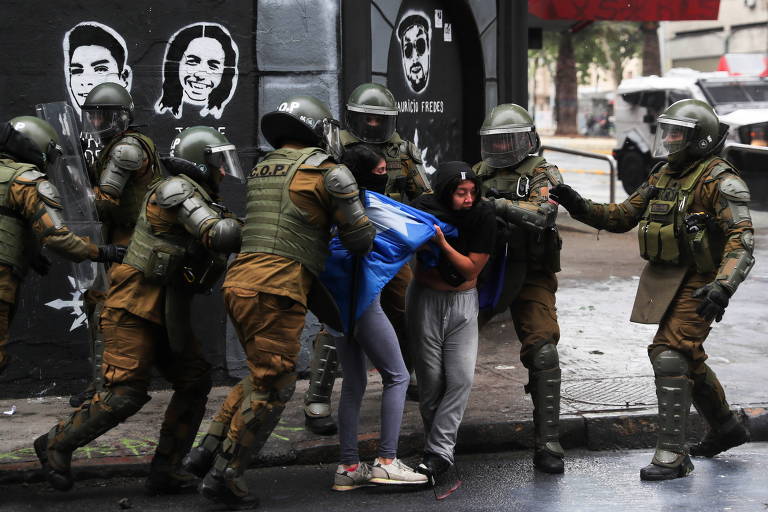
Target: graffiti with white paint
(415,35)
(199,69)
(93,54)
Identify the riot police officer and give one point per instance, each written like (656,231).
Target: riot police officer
(179,247)
(371,118)
(294,197)
(127,166)
(518,182)
(695,231)
(28,201)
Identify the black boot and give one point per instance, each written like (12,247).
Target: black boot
(82,397)
(59,476)
(732,433)
(547,462)
(680,468)
(225,485)
(165,478)
(320,425)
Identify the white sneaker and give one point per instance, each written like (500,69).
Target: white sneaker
(346,480)
(396,473)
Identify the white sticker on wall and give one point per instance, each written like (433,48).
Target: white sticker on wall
(438,18)
(447,33)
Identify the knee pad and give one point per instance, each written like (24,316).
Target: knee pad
(125,404)
(670,363)
(545,358)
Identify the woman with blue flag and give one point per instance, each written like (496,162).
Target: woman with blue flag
(372,336)
(442,311)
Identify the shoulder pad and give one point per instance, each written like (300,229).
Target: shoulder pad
(339,179)
(128,154)
(553,174)
(347,138)
(173,191)
(734,188)
(412,150)
(317,159)
(482,170)
(31,175)
(719,168)
(48,192)
(395,138)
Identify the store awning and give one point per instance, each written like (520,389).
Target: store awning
(750,64)
(625,10)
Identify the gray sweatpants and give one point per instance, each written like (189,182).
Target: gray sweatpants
(443,332)
(375,338)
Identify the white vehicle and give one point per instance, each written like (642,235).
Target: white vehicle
(741,102)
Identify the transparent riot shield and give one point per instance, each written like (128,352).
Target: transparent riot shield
(71,179)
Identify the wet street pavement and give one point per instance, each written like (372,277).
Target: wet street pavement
(593,481)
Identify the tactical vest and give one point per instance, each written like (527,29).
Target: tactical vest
(170,258)
(395,158)
(13,226)
(274,225)
(542,251)
(133,194)
(661,231)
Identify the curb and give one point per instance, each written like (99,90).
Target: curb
(594,431)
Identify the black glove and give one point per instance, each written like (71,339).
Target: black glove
(714,300)
(40,264)
(569,198)
(111,253)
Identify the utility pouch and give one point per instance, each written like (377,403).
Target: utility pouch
(163,264)
(700,247)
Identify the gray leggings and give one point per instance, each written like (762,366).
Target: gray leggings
(443,331)
(375,338)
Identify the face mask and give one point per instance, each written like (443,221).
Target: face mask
(374,182)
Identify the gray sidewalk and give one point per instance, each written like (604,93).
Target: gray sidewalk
(608,394)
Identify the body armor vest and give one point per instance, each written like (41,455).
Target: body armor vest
(274,225)
(13,226)
(173,258)
(540,250)
(662,233)
(131,200)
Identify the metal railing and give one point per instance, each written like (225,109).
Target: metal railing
(586,154)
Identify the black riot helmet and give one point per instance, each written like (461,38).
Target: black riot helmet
(30,140)
(687,131)
(507,136)
(371,113)
(298,119)
(205,155)
(107,111)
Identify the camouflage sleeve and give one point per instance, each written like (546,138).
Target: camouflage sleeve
(537,212)
(728,197)
(24,197)
(620,217)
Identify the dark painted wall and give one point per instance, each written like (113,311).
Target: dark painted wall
(281,48)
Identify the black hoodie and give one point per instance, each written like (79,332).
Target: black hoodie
(477,226)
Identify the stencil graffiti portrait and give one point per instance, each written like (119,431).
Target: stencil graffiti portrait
(93,54)
(415,34)
(200,69)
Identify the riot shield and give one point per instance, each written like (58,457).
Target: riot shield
(71,179)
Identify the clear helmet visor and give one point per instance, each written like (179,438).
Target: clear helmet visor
(331,138)
(672,138)
(225,159)
(104,123)
(506,149)
(370,127)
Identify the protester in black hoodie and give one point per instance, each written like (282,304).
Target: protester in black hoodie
(442,309)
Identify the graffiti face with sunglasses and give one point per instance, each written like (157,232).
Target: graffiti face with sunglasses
(414,35)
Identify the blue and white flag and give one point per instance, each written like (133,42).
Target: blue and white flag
(400,230)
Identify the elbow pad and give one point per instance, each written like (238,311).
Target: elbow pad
(355,230)
(226,236)
(51,200)
(125,158)
(529,216)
